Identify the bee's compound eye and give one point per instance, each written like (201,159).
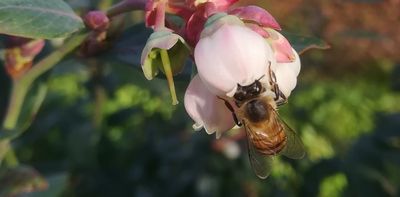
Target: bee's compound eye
(259,86)
(256,88)
(239,96)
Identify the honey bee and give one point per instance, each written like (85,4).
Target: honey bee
(267,135)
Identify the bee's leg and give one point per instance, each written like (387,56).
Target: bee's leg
(283,101)
(275,88)
(273,84)
(271,74)
(229,106)
(279,94)
(235,118)
(276,91)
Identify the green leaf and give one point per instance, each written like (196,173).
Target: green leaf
(304,43)
(38,18)
(19,180)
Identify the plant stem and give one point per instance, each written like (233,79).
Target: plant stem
(18,94)
(50,61)
(168,73)
(160,16)
(126,6)
(100,95)
(4,148)
(21,86)
(11,159)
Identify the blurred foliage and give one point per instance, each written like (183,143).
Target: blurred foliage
(104,130)
(19,180)
(361,30)
(333,186)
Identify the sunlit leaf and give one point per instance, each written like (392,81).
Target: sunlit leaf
(38,18)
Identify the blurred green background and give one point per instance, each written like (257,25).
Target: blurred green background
(104,130)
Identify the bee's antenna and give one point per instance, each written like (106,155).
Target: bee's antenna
(269,67)
(261,77)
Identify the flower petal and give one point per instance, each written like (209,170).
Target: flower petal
(281,46)
(232,55)
(220,5)
(258,29)
(150,13)
(163,39)
(206,109)
(223,5)
(296,64)
(194,25)
(286,75)
(256,14)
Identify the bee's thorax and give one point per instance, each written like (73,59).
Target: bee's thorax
(256,110)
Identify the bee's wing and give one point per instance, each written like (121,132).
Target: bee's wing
(260,163)
(294,148)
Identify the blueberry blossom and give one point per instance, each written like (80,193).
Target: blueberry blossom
(230,53)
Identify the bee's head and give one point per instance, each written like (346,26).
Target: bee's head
(248,92)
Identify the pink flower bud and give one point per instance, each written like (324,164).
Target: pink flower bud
(19,54)
(97,20)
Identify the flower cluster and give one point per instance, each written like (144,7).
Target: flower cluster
(230,47)
(193,12)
